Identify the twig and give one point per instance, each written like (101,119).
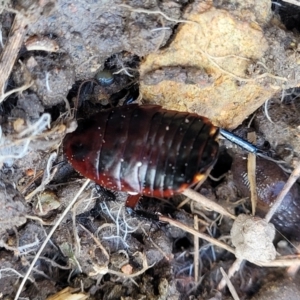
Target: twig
(156,12)
(211,60)
(266,111)
(96,240)
(29,247)
(233,268)
(12,48)
(280,263)
(49,236)
(156,246)
(196,250)
(292,270)
(163,35)
(46,178)
(75,232)
(16,90)
(230,285)
(13,271)
(292,179)
(294,2)
(125,70)
(9,248)
(207,203)
(183,202)
(198,234)
(52,262)
(251,169)
(39,220)
(161,28)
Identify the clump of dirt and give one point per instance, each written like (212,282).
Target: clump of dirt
(238,59)
(13,207)
(220,59)
(278,123)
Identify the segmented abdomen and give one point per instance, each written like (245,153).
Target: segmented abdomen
(144,149)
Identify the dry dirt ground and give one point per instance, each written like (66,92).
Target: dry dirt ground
(236,62)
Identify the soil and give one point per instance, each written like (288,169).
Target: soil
(100,250)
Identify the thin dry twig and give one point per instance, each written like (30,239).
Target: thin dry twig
(230,285)
(11,270)
(183,202)
(292,179)
(70,294)
(46,178)
(39,220)
(75,232)
(251,165)
(12,48)
(37,175)
(207,203)
(233,268)
(266,111)
(51,262)
(212,58)
(49,236)
(281,262)
(155,245)
(196,233)
(27,248)
(9,248)
(97,241)
(162,35)
(294,2)
(196,250)
(156,12)
(16,90)
(251,168)
(292,270)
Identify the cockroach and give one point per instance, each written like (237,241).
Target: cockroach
(143,150)
(270,180)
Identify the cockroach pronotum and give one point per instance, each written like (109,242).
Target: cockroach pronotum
(143,150)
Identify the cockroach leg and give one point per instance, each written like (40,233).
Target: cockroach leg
(130,205)
(142,214)
(132,200)
(107,194)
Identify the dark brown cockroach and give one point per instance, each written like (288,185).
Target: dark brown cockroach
(270,179)
(145,150)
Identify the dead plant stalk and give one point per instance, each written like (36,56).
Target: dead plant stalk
(12,48)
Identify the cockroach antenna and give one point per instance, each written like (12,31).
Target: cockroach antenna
(242,143)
